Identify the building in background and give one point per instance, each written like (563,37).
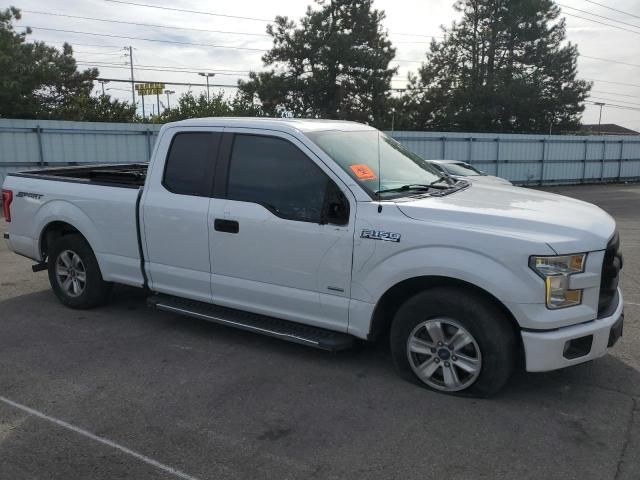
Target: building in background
(606,129)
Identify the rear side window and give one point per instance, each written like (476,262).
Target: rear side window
(274,173)
(190,163)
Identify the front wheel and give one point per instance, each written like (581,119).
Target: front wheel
(74,273)
(453,341)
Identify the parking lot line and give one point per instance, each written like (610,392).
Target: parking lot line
(104,441)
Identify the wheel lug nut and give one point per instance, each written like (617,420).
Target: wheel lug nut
(439,344)
(437,360)
(451,347)
(454,358)
(446,364)
(433,350)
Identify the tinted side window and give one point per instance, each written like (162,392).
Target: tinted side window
(276,174)
(190,163)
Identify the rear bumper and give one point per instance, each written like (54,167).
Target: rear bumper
(550,350)
(21,245)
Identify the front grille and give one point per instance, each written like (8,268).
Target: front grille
(611,266)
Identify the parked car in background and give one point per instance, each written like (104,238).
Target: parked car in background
(462,170)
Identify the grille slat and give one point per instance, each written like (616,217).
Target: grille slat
(611,266)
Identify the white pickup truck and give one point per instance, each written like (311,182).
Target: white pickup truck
(323,232)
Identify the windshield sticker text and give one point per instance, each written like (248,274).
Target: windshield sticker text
(363,172)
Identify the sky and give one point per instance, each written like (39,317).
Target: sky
(410,23)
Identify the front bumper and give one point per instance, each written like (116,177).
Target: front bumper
(548,350)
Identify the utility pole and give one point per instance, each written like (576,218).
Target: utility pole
(207,75)
(158,101)
(133,90)
(102,82)
(600,104)
(169,92)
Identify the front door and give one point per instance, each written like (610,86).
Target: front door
(282,236)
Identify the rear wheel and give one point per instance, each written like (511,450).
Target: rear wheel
(453,341)
(74,273)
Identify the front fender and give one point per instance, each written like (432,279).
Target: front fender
(499,277)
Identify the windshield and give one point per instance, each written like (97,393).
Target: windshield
(462,169)
(378,163)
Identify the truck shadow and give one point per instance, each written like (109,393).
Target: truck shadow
(126,316)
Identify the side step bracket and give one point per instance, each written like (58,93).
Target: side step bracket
(270,326)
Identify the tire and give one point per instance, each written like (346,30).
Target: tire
(74,273)
(478,349)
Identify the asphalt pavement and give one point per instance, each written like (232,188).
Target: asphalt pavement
(128,392)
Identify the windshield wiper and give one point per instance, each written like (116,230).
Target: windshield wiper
(404,188)
(441,179)
(417,186)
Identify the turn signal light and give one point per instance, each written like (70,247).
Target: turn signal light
(7,198)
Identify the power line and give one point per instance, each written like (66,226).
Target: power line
(612,82)
(172,67)
(173,9)
(174,42)
(599,16)
(613,105)
(595,21)
(145,24)
(615,94)
(200,12)
(610,61)
(152,68)
(128,80)
(173,27)
(77,44)
(209,45)
(603,99)
(611,8)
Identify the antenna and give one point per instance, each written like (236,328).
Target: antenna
(379,175)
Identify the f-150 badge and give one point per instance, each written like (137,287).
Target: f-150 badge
(380,235)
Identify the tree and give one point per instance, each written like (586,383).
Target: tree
(100,108)
(335,64)
(190,106)
(39,81)
(504,67)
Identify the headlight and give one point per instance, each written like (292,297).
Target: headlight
(555,271)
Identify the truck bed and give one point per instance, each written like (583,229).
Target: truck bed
(127,175)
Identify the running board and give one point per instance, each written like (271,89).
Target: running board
(270,326)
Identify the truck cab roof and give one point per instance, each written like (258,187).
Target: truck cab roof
(280,124)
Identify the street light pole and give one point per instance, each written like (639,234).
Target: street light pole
(207,75)
(600,104)
(169,92)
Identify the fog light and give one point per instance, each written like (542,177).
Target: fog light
(578,347)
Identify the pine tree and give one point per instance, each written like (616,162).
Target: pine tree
(335,64)
(504,67)
(40,81)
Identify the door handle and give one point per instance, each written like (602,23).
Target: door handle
(229,226)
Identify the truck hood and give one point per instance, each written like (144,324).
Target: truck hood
(565,224)
(487,179)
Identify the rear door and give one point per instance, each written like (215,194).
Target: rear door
(282,235)
(175,212)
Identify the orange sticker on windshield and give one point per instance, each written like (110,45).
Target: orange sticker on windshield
(363,172)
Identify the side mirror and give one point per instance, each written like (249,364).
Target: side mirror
(338,213)
(336,206)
